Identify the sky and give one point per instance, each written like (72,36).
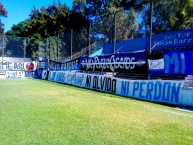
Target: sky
(19,10)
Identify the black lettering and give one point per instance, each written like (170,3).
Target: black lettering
(109,84)
(102,82)
(114,84)
(88,81)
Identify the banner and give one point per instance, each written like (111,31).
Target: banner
(2,72)
(179,62)
(156,66)
(128,62)
(174,62)
(7,65)
(14,74)
(67,66)
(163,91)
(29,74)
(177,39)
(43,64)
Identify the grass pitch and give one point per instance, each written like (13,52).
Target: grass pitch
(42,112)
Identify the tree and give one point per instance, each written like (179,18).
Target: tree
(3,13)
(170,15)
(102,14)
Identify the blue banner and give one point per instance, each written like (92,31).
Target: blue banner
(127,62)
(177,39)
(178,62)
(127,46)
(173,62)
(182,38)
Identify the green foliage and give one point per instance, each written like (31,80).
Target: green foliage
(14,42)
(132,20)
(3,13)
(169,16)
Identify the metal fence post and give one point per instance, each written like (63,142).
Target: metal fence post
(38,49)
(24,49)
(115,25)
(150,36)
(89,35)
(3,47)
(151,15)
(58,46)
(71,37)
(47,48)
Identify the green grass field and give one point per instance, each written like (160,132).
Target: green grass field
(42,112)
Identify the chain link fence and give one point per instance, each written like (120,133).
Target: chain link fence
(109,30)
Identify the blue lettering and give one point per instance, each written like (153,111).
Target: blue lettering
(157,90)
(53,76)
(9,67)
(135,88)
(125,88)
(175,92)
(166,91)
(141,90)
(182,63)
(173,60)
(149,90)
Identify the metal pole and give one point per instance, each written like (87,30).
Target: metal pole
(58,47)
(24,50)
(48,53)
(89,47)
(151,26)
(151,15)
(71,37)
(114,51)
(3,47)
(49,48)
(115,25)
(38,49)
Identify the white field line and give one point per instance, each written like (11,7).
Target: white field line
(163,110)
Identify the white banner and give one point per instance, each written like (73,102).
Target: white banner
(156,64)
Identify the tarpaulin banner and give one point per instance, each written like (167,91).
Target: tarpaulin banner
(67,66)
(43,64)
(177,39)
(179,62)
(126,62)
(173,62)
(17,66)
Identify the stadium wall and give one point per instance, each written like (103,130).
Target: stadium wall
(161,91)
